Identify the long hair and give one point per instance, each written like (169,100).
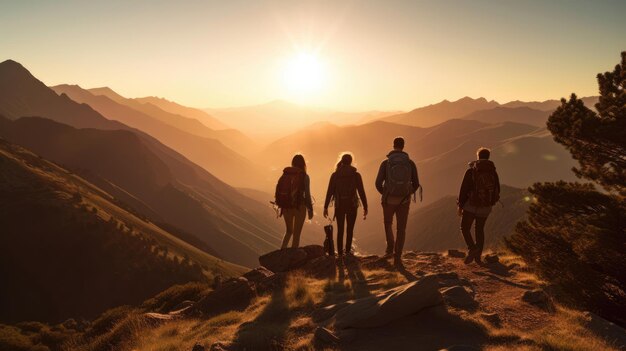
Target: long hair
(344,159)
(298,162)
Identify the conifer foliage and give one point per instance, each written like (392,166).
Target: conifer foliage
(575,235)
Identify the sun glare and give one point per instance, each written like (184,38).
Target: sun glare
(304,76)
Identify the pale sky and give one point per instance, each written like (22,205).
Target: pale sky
(383,55)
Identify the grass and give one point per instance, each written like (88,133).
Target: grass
(281,320)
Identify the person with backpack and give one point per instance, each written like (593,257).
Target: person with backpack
(345,188)
(480,190)
(293,198)
(397,180)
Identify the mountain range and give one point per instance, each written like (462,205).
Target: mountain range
(207,151)
(135,167)
(534,113)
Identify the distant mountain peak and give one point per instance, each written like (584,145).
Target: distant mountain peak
(108,92)
(14,68)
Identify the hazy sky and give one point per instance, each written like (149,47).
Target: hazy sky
(382,55)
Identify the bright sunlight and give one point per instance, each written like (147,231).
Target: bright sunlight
(304,76)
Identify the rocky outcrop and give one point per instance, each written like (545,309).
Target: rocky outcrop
(288,259)
(390,305)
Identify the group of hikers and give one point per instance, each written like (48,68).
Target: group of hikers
(397,182)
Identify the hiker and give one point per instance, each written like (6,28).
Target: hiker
(397,180)
(293,197)
(345,188)
(480,190)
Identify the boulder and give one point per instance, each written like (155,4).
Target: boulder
(459,297)
(323,337)
(321,267)
(492,258)
(327,312)
(313,251)
(381,309)
(233,294)
(258,274)
(456,253)
(288,259)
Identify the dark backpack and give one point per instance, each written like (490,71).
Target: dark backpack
(345,187)
(486,190)
(398,179)
(290,188)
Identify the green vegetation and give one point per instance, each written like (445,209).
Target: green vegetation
(575,235)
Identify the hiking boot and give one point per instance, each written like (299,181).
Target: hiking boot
(478,260)
(388,255)
(340,260)
(397,262)
(470,256)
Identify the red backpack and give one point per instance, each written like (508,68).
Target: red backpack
(290,188)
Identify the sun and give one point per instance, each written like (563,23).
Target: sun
(304,76)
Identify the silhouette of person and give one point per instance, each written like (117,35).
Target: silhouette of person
(397,180)
(480,190)
(293,196)
(345,187)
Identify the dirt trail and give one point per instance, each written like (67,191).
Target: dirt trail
(497,288)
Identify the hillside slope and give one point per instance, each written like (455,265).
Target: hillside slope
(71,250)
(207,148)
(155,181)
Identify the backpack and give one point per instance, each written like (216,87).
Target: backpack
(398,180)
(485,191)
(345,187)
(290,188)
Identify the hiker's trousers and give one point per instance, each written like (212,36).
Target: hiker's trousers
(345,216)
(401,211)
(466,228)
(294,220)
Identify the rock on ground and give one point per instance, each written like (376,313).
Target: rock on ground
(390,305)
(492,258)
(459,297)
(288,259)
(324,336)
(535,297)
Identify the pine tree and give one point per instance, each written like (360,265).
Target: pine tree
(575,235)
(597,140)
